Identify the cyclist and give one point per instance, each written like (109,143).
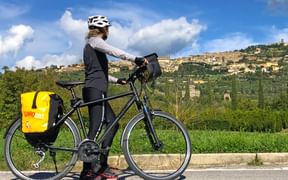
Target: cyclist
(95,87)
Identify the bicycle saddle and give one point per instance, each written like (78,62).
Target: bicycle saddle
(69,84)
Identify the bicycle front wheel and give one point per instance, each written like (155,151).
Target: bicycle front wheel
(167,162)
(30,162)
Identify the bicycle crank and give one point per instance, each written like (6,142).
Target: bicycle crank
(88,151)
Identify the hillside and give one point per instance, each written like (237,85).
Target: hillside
(269,58)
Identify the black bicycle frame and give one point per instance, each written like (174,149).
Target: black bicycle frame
(79,104)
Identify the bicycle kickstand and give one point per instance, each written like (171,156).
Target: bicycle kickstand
(53,155)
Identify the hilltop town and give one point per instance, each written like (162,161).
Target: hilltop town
(267,57)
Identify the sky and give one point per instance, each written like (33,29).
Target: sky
(39,33)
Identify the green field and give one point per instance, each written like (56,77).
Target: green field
(211,142)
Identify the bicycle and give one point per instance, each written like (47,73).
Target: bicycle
(151,132)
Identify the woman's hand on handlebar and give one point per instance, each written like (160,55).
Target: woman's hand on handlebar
(141,62)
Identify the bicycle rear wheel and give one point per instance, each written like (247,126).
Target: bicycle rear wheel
(22,157)
(167,162)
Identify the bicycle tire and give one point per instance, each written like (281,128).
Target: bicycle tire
(23,167)
(172,134)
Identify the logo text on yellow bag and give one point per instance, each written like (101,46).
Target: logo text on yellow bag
(35,111)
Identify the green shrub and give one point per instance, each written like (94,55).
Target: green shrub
(257,120)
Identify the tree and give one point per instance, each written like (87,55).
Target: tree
(13,83)
(187,91)
(206,94)
(167,88)
(11,86)
(234,100)
(5,68)
(260,91)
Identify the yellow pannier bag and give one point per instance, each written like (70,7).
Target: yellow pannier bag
(39,111)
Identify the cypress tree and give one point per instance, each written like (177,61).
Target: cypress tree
(187,91)
(167,88)
(260,91)
(209,93)
(234,92)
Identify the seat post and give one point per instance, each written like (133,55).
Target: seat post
(79,114)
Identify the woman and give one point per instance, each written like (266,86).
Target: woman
(96,84)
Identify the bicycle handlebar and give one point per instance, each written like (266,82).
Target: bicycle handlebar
(136,74)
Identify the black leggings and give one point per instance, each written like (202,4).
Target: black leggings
(99,114)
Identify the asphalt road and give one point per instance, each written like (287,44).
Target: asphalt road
(238,173)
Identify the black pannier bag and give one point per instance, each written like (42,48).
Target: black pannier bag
(153,69)
(40,112)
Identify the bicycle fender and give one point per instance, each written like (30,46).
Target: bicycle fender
(6,132)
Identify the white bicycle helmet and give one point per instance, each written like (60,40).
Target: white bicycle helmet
(98,21)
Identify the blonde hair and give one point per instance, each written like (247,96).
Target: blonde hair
(96,32)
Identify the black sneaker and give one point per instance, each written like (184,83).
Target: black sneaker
(108,173)
(89,175)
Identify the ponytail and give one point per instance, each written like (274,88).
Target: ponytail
(96,32)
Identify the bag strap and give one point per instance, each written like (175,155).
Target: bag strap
(34,100)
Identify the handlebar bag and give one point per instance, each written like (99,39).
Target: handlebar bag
(153,70)
(40,111)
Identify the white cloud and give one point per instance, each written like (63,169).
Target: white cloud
(188,51)
(230,42)
(30,62)
(119,35)
(138,34)
(126,20)
(75,28)
(49,40)
(166,37)
(15,39)
(277,34)
(64,59)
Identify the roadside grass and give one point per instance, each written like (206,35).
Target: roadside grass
(206,142)
(238,142)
